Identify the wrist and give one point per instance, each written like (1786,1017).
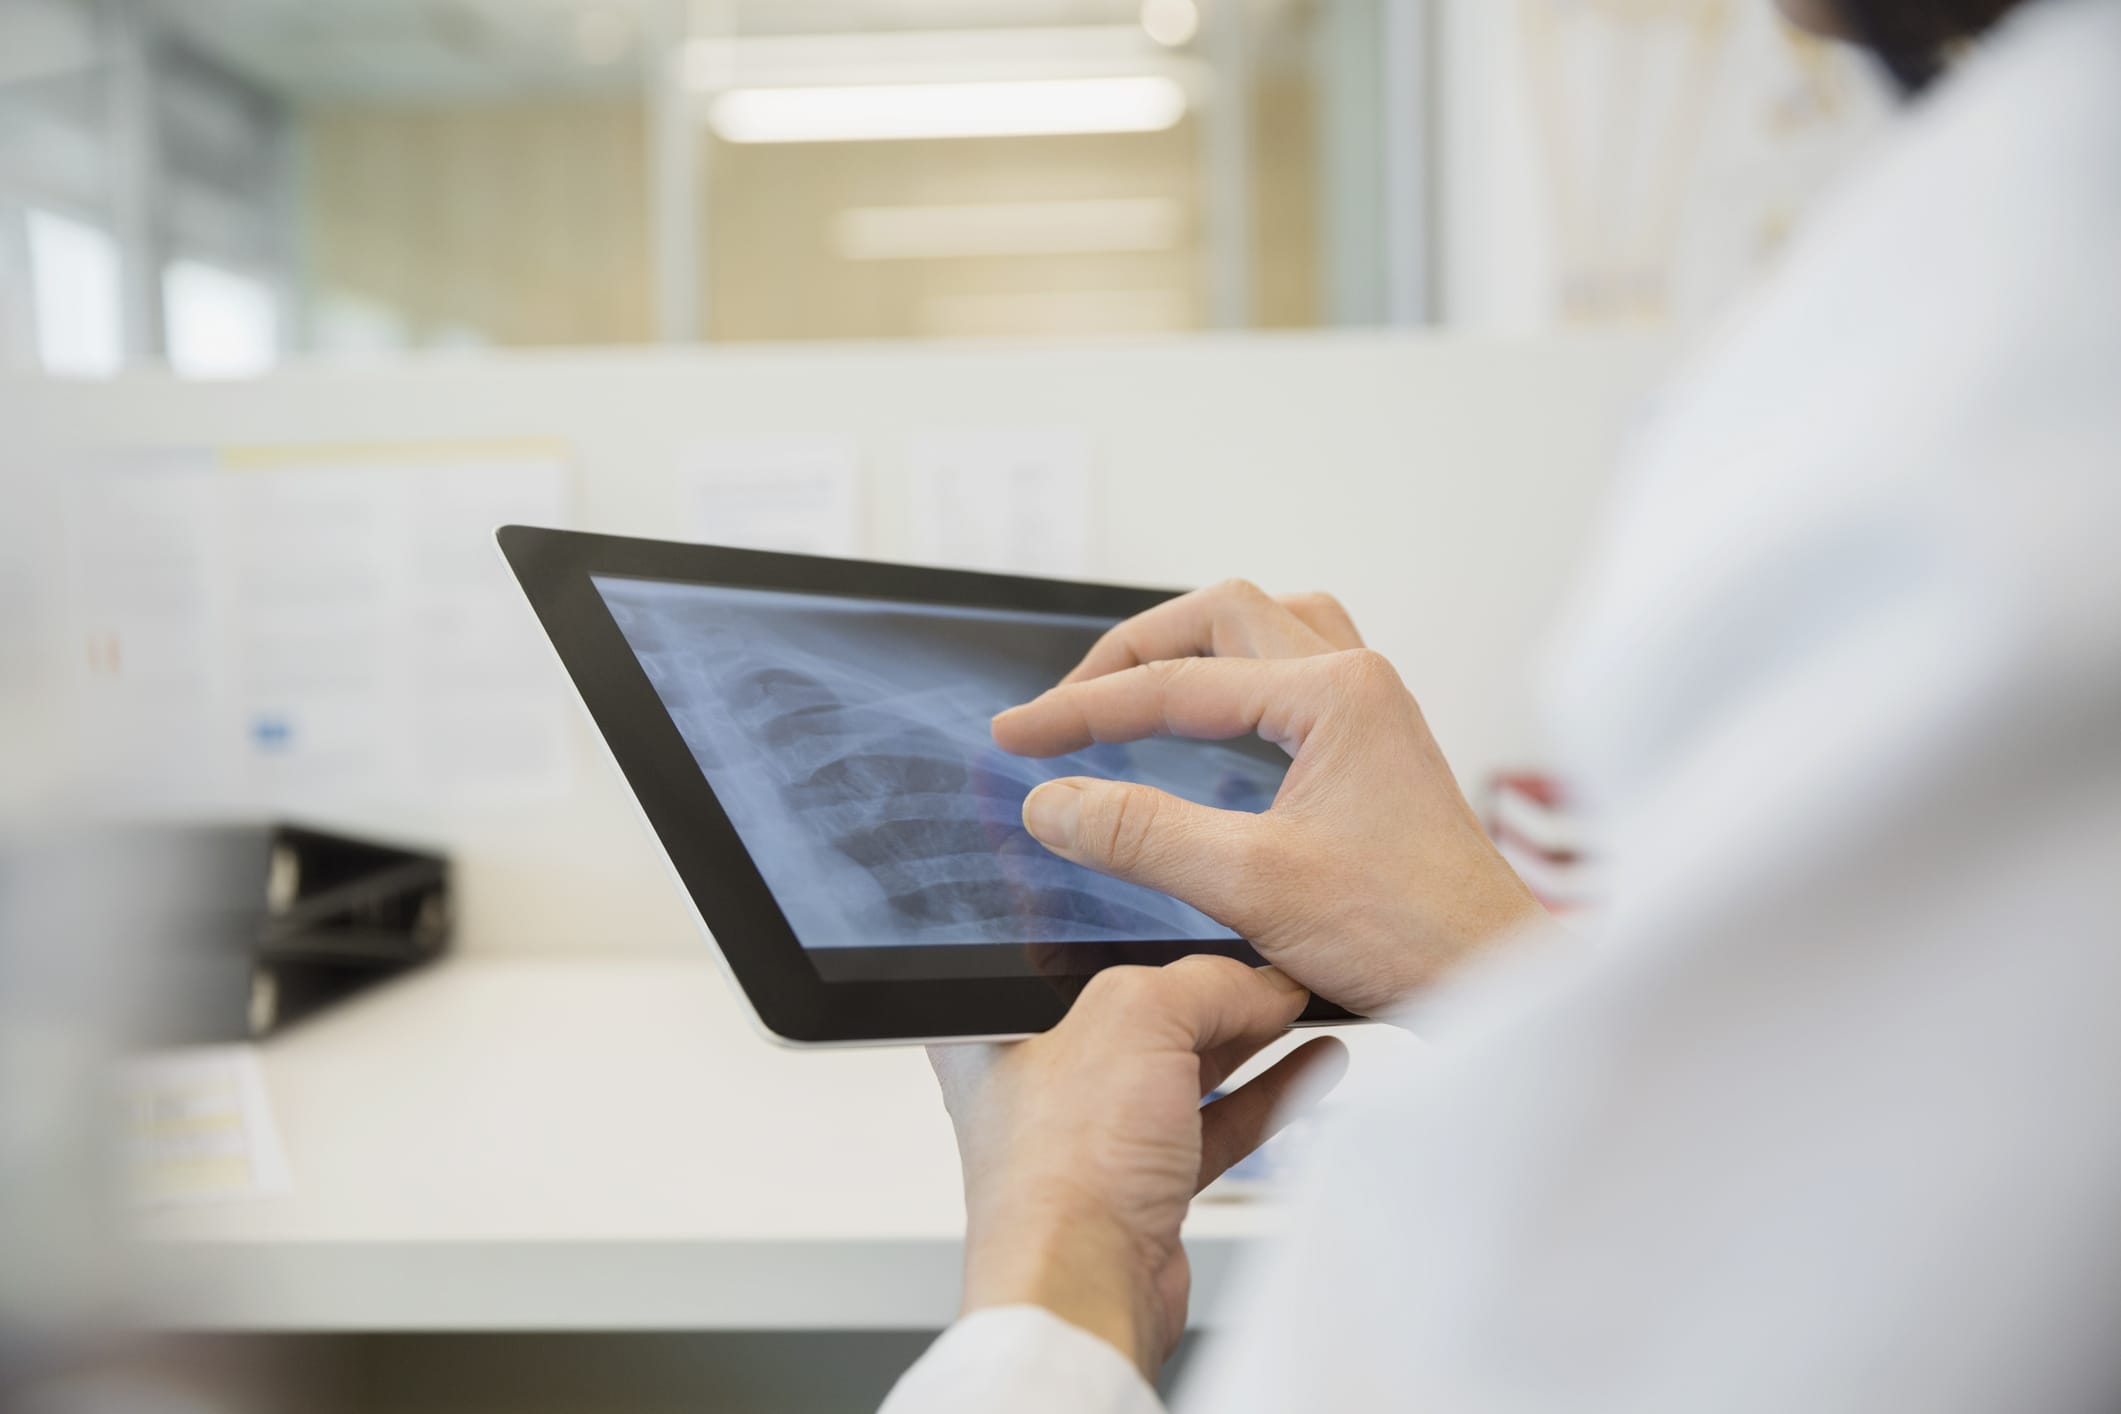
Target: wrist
(1083,1271)
(1485,912)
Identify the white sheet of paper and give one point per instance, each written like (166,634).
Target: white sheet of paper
(299,628)
(1012,499)
(797,494)
(199,1128)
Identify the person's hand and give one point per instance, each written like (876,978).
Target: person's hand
(1368,877)
(1083,1147)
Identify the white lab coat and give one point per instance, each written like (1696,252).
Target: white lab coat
(1828,1116)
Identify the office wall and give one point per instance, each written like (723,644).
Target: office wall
(1445,488)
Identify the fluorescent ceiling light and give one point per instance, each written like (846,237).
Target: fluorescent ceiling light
(1009,228)
(874,112)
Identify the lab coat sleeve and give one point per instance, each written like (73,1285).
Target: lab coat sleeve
(1825,1119)
(1026,1360)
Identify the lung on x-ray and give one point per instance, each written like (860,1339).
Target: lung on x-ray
(847,740)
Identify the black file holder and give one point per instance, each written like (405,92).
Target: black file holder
(281,921)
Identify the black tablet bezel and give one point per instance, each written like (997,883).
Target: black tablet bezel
(785,989)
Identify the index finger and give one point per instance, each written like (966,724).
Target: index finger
(1234,619)
(1209,698)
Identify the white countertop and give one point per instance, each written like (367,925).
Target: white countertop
(591,1144)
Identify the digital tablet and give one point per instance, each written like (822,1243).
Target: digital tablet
(808,739)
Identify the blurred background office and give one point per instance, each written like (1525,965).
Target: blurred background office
(298,298)
(225,183)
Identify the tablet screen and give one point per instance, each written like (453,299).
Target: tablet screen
(847,740)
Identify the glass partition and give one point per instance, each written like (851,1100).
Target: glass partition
(220,183)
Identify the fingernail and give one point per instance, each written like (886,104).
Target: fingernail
(1050,813)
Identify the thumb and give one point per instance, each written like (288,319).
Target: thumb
(1146,836)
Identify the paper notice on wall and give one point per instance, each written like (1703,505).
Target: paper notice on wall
(797,494)
(199,1128)
(1012,499)
(299,628)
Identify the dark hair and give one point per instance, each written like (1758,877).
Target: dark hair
(1913,38)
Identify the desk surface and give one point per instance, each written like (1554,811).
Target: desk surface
(590,1144)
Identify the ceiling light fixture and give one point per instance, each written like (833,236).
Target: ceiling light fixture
(880,112)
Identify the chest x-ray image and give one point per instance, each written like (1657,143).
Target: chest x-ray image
(848,741)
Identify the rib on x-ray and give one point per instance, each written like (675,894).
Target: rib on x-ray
(848,741)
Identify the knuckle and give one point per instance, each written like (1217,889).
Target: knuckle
(1124,828)
(1167,672)
(1241,591)
(1366,671)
